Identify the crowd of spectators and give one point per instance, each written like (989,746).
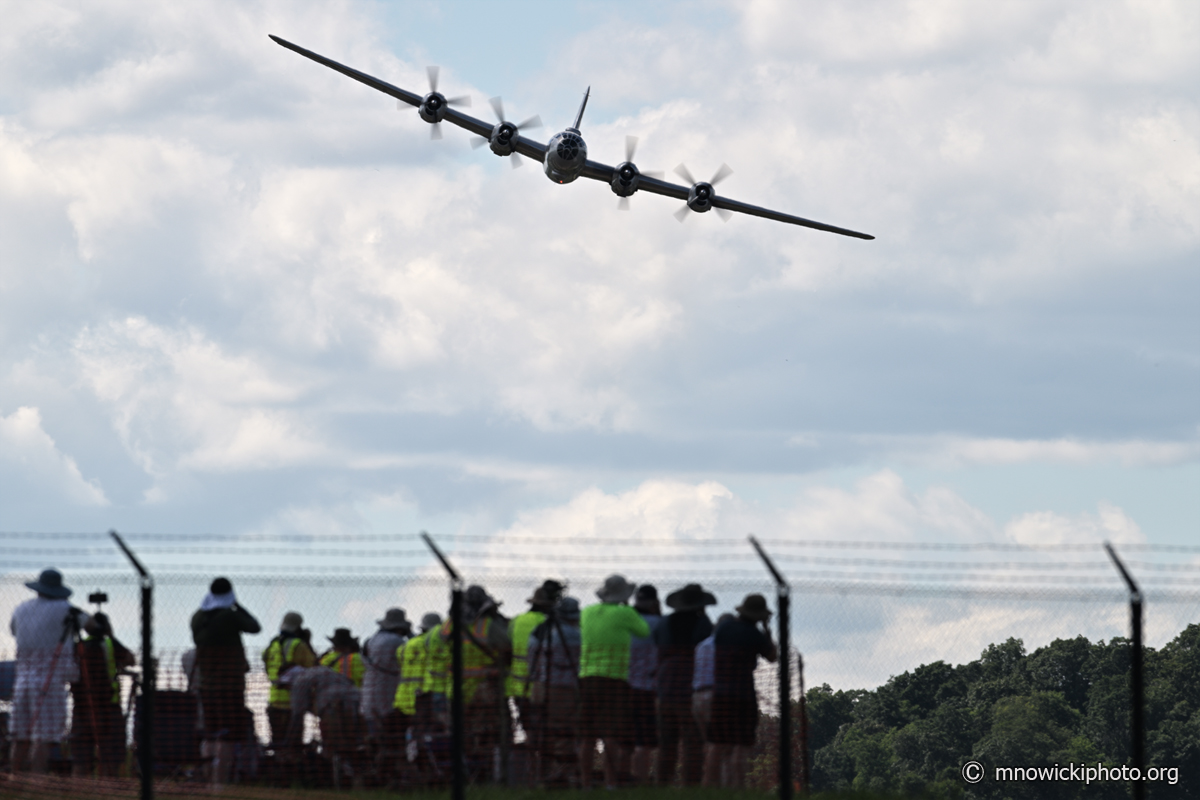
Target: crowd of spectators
(657,697)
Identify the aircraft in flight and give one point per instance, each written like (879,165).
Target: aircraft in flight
(564,156)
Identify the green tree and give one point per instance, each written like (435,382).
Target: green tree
(1062,667)
(1040,729)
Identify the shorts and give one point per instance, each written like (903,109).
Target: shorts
(734,720)
(37,717)
(605,710)
(643,717)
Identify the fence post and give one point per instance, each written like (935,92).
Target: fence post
(146,737)
(783,598)
(805,767)
(457,767)
(1137,721)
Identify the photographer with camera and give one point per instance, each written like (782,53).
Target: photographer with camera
(45,628)
(97,724)
(289,649)
(553,649)
(739,642)
(540,606)
(217,630)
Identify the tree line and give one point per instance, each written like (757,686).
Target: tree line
(1066,702)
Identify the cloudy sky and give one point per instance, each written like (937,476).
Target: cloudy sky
(240,293)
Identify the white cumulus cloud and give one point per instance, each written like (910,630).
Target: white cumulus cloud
(31,463)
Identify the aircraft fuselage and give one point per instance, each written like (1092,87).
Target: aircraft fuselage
(566,154)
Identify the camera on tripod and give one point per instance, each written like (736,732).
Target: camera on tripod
(553,591)
(97,598)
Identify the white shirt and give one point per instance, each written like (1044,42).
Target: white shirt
(381,675)
(39,625)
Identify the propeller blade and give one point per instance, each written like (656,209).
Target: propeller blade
(630,147)
(533,122)
(478,142)
(498,108)
(517,161)
(622,204)
(462,101)
(682,171)
(682,213)
(432,73)
(401,105)
(721,174)
(724,213)
(435,130)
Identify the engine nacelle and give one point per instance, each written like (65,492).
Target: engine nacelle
(625,179)
(700,197)
(433,107)
(566,153)
(501,140)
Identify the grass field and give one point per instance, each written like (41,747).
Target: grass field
(25,788)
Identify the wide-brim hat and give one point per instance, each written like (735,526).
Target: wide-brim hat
(395,620)
(690,598)
(754,607)
(50,583)
(615,589)
(341,638)
(430,621)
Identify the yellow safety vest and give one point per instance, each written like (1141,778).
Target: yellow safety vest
(437,661)
(110,662)
(517,684)
(277,657)
(477,665)
(349,664)
(413,657)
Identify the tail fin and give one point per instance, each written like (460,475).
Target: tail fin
(582,106)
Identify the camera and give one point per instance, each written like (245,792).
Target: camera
(97,598)
(554,591)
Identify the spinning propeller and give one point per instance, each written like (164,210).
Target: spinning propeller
(505,132)
(433,105)
(701,195)
(625,175)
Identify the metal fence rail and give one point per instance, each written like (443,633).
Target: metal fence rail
(861,613)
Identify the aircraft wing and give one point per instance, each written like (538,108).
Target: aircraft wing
(524,146)
(602,172)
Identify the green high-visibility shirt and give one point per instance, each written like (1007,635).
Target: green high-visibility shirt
(519,629)
(606,629)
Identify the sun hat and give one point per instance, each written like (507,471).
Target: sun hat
(430,621)
(50,583)
(690,598)
(395,620)
(754,607)
(220,595)
(292,621)
(342,638)
(615,589)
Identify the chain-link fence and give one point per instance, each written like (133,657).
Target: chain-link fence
(872,620)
